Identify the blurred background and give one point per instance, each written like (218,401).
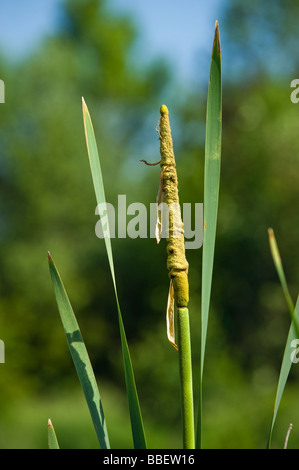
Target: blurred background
(127,58)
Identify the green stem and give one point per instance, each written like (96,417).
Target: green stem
(184,347)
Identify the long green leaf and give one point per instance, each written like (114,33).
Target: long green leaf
(80,356)
(52,439)
(280,271)
(96,172)
(211,196)
(293,331)
(284,370)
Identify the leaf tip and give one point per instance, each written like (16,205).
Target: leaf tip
(272,239)
(273,247)
(50,425)
(84,109)
(217,37)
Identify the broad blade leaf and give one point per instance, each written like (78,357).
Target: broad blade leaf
(211,196)
(80,356)
(96,172)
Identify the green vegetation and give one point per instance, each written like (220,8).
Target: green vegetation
(80,357)
(135,414)
(211,195)
(47,203)
(52,439)
(176,263)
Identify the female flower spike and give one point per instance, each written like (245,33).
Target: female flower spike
(176,260)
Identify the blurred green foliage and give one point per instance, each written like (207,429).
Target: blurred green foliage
(47,203)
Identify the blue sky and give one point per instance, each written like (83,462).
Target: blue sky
(23,23)
(180,30)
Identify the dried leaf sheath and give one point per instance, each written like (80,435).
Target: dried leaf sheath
(176,260)
(170,317)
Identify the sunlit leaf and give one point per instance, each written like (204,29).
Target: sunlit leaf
(96,172)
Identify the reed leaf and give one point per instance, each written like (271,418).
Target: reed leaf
(80,356)
(96,172)
(293,331)
(284,370)
(211,196)
(280,271)
(52,439)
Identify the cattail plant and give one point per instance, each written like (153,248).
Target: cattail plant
(176,263)
(177,313)
(178,272)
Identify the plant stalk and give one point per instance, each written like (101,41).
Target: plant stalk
(185,365)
